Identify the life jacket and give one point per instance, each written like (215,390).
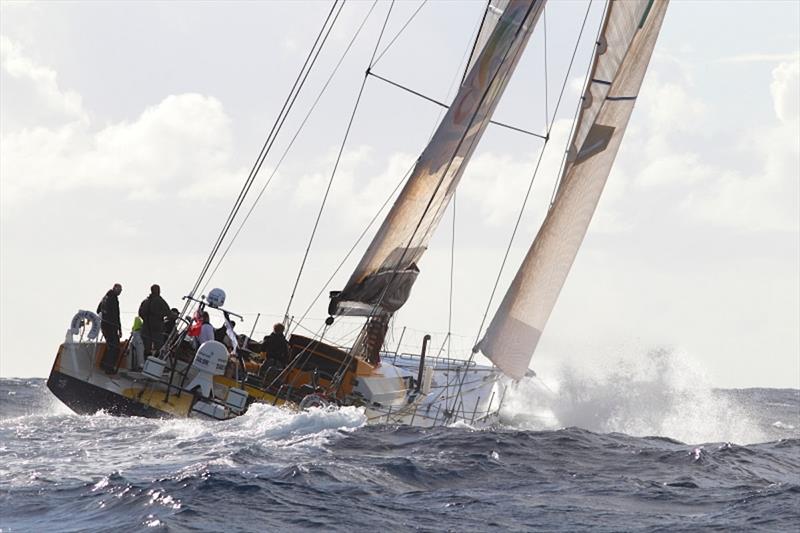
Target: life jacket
(197,325)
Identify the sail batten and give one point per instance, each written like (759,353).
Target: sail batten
(622,54)
(382,281)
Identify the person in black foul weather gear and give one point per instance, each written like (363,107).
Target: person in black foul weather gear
(110,325)
(276,346)
(153,310)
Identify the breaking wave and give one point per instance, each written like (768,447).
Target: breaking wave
(662,394)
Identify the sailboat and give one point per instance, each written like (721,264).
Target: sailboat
(216,381)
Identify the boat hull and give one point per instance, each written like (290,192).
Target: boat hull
(86,398)
(81,385)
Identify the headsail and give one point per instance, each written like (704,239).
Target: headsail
(383,279)
(629,34)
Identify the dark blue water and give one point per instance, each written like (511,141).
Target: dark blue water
(274,470)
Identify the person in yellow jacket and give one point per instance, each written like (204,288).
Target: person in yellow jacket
(137,350)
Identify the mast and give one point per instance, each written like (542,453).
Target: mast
(382,281)
(622,54)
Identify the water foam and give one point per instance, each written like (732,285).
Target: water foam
(664,393)
(262,425)
(264,422)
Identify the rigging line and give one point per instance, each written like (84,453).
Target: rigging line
(475,42)
(284,110)
(291,142)
(441,104)
(390,196)
(469,57)
(572,59)
(363,234)
(248,182)
(380,210)
(525,200)
(452,272)
(508,248)
(336,164)
(546,84)
(383,29)
(455,151)
(263,155)
(386,49)
(447,169)
(580,100)
(530,185)
(189,305)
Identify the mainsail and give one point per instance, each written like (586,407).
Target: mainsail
(382,281)
(622,54)
(494,10)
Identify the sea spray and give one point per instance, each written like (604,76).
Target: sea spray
(661,393)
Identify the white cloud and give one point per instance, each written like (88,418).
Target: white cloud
(760,193)
(44,81)
(497,182)
(672,168)
(183,139)
(358,188)
(767,197)
(786,90)
(672,109)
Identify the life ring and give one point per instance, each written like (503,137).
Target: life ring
(82,316)
(313,400)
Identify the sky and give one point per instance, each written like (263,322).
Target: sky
(128,128)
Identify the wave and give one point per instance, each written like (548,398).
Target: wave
(276,469)
(663,393)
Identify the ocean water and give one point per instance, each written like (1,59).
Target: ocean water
(615,457)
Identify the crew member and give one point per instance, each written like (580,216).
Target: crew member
(277,346)
(137,351)
(221,334)
(108,308)
(153,310)
(206,330)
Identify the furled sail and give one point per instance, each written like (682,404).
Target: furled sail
(382,281)
(623,52)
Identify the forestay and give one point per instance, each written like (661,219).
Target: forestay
(382,281)
(622,54)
